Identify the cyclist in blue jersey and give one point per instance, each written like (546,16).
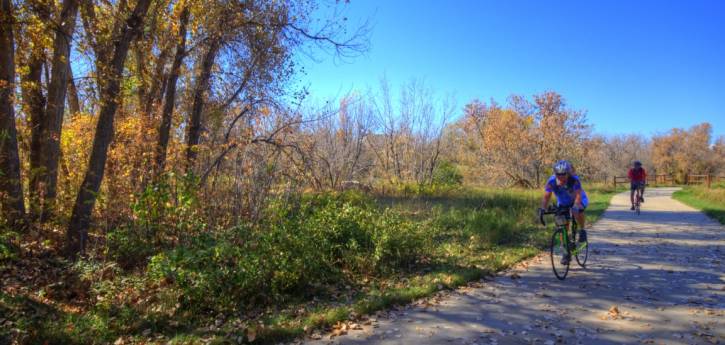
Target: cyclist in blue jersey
(569,193)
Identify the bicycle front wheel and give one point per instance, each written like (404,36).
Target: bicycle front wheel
(582,253)
(559,251)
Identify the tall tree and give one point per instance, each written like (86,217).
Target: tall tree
(110,72)
(11,190)
(200,90)
(170,97)
(683,151)
(34,101)
(52,122)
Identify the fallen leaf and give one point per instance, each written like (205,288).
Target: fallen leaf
(614,312)
(251,334)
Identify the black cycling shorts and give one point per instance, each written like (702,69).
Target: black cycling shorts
(636,185)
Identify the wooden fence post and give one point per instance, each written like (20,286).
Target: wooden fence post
(708,179)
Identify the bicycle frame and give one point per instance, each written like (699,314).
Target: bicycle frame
(637,197)
(564,220)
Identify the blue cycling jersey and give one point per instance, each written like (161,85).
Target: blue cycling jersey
(566,193)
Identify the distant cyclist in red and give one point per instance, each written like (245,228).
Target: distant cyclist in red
(637,180)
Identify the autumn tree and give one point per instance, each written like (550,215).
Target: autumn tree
(519,142)
(718,150)
(170,87)
(506,138)
(179,86)
(681,151)
(109,66)
(560,133)
(11,191)
(32,57)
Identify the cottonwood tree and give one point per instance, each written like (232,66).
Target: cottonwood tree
(681,151)
(560,133)
(46,34)
(52,123)
(718,150)
(504,139)
(170,87)
(31,57)
(519,142)
(11,191)
(198,88)
(110,60)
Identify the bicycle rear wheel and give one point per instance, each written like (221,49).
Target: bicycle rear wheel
(636,208)
(638,202)
(558,250)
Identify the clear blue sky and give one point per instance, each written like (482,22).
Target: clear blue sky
(635,66)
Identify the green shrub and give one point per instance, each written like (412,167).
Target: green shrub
(129,247)
(165,213)
(212,273)
(317,239)
(447,174)
(8,249)
(168,207)
(397,242)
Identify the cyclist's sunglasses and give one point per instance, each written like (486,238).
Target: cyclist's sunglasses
(562,174)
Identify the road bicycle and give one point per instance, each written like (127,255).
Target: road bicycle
(638,199)
(564,242)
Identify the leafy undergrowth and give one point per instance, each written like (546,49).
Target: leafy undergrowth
(711,201)
(316,260)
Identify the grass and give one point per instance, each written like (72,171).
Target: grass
(711,201)
(464,262)
(473,232)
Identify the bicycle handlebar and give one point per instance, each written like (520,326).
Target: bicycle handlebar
(552,210)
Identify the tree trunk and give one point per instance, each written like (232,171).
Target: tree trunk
(111,79)
(74,103)
(53,120)
(170,98)
(157,83)
(34,108)
(202,86)
(144,51)
(11,188)
(141,72)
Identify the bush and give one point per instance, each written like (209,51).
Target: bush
(129,247)
(168,207)
(318,239)
(165,213)
(447,174)
(8,249)
(212,273)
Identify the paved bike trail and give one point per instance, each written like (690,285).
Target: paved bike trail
(656,278)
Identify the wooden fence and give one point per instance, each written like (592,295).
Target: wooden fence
(668,179)
(665,179)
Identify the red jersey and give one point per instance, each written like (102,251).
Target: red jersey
(637,175)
